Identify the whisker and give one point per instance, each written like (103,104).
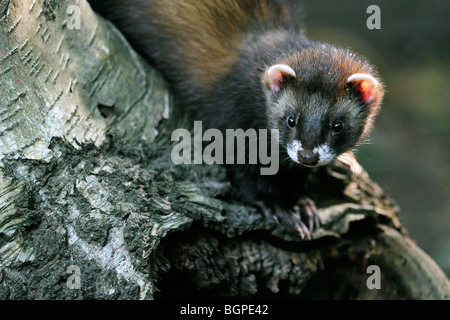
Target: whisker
(365,142)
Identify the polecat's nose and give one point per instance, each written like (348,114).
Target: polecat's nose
(308,158)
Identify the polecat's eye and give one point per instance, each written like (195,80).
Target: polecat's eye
(291,121)
(337,127)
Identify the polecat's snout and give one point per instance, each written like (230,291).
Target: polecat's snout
(317,156)
(308,158)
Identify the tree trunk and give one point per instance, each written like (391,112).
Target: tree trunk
(92,207)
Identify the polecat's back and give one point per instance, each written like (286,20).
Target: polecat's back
(196,41)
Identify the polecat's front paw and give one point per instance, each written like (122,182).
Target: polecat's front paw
(307,210)
(301,220)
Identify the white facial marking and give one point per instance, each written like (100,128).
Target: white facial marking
(293,148)
(325,154)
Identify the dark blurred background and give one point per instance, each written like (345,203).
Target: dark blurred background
(409,150)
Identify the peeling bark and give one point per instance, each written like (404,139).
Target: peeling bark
(86,180)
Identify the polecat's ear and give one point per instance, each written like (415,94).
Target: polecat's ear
(275,74)
(366,85)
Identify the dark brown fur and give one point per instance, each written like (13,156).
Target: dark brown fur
(206,34)
(209,33)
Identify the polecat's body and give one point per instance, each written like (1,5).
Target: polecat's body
(246,64)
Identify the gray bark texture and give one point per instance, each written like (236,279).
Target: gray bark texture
(92,207)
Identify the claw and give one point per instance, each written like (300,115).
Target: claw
(294,220)
(302,230)
(308,212)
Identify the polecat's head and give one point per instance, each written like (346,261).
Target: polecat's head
(323,101)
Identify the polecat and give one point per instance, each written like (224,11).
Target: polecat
(247,64)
